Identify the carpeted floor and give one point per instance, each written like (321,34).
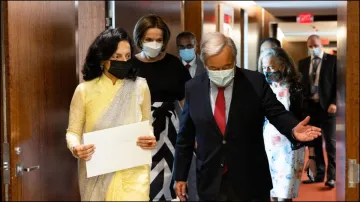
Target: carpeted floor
(317,191)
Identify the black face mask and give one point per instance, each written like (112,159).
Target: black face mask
(273,76)
(120,69)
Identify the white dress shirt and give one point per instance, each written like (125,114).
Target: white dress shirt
(193,66)
(227,93)
(316,83)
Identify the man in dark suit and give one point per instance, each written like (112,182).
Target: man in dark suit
(225,110)
(319,80)
(186,44)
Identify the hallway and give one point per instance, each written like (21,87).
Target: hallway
(43,52)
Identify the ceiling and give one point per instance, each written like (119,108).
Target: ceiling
(294,8)
(300,32)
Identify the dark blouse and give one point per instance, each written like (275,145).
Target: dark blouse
(298,107)
(166,78)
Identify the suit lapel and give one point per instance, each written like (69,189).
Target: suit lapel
(306,70)
(205,94)
(324,64)
(199,66)
(236,99)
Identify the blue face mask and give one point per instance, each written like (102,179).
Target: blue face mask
(273,76)
(315,51)
(187,54)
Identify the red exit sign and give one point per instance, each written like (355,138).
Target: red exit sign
(305,18)
(325,41)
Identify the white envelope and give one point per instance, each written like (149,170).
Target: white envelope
(116,149)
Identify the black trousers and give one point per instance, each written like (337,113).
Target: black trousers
(227,193)
(327,122)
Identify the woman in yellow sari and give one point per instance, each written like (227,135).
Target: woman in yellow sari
(112,95)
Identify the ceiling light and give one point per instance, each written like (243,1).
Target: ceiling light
(241,4)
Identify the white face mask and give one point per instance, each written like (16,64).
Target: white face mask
(152,49)
(221,78)
(315,51)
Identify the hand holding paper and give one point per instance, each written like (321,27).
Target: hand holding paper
(117,148)
(146,142)
(83,152)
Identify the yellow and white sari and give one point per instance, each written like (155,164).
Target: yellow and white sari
(99,104)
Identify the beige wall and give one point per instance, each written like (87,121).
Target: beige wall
(296,50)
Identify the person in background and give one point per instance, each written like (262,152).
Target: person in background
(319,81)
(186,44)
(269,43)
(166,77)
(112,95)
(286,164)
(224,110)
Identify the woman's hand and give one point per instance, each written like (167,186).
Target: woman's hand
(84,152)
(146,142)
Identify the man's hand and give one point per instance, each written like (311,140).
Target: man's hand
(181,190)
(332,109)
(304,132)
(83,152)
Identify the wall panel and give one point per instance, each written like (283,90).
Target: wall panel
(91,22)
(193,18)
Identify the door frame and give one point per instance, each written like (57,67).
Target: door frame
(3,102)
(352,138)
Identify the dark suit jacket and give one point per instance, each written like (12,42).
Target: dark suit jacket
(327,80)
(200,69)
(242,147)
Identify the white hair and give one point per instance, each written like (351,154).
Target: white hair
(213,43)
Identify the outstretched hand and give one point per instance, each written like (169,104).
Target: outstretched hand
(304,132)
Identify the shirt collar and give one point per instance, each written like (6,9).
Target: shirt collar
(108,82)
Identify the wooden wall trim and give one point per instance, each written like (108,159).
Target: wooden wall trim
(193,19)
(1,98)
(352,92)
(3,94)
(90,23)
(242,38)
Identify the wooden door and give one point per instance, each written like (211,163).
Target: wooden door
(348,139)
(41,77)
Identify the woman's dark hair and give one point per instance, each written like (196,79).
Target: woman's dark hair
(274,41)
(289,73)
(103,47)
(147,22)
